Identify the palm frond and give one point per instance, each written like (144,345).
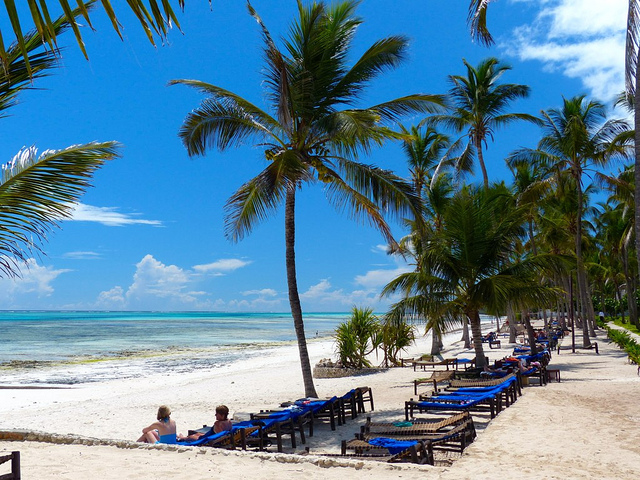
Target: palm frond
(477,20)
(155,16)
(254,201)
(36,192)
(216,124)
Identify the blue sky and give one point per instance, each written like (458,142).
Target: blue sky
(149,235)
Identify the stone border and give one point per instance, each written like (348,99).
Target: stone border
(319,461)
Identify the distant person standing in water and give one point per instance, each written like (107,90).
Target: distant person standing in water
(162,431)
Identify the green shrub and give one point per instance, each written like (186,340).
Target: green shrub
(364,333)
(624,341)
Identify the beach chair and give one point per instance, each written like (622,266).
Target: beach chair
(349,403)
(455,439)
(467,398)
(228,439)
(14,459)
(279,423)
(435,378)
(364,395)
(391,451)
(416,427)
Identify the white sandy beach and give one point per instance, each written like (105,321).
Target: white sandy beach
(585,427)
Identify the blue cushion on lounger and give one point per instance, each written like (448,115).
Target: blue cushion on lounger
(393,446)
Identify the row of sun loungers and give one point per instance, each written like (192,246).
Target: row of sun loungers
(290,419)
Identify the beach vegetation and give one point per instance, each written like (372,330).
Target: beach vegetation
(473,264)
(365,333)
(37,191)
(576,138)
(314,135)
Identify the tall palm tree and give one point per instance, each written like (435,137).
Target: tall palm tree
(312,137)
(155,16)
(577,137)
(478,105)
(37,191)
(472,265)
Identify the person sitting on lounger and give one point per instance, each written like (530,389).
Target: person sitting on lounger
(221,424)
(162,431)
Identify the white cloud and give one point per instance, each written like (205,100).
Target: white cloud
(112,299)
(108,216)
(583,39)
(265,292)
(82,255)
(155,279)
(223,265)
(34,280)
(157,286)
(376,279)
(323,295)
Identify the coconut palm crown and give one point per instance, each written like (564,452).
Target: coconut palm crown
(314,134)
(479,105)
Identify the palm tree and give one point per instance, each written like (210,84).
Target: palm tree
(155,16)
(37,191)
(427,152)
(312,137)
(472,265)
(478,105)
(577,137)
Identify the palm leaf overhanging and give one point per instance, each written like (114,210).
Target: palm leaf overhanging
(38,191)
(155,16)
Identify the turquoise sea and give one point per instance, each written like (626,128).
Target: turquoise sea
(47,347)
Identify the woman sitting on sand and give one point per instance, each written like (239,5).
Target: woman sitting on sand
(162,431)
(221,424)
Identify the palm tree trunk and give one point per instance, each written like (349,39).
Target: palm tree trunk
(636,116)
(631,288)
(294,298)
(476,332)
(531,334)
(580,276)
(485,177)
(465,332)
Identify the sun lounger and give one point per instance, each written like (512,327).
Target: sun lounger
(415,427)
(435,378)
(278,424)
(468,397)
(455,439)
(403,451)
(230,439)
(433,364)
(364,395)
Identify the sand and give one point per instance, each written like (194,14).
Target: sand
(587,426)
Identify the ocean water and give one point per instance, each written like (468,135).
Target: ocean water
(69,348)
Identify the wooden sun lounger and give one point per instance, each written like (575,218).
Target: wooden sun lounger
(455,439)
(420,453)
(417,427)
(433,364)
(435,378)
